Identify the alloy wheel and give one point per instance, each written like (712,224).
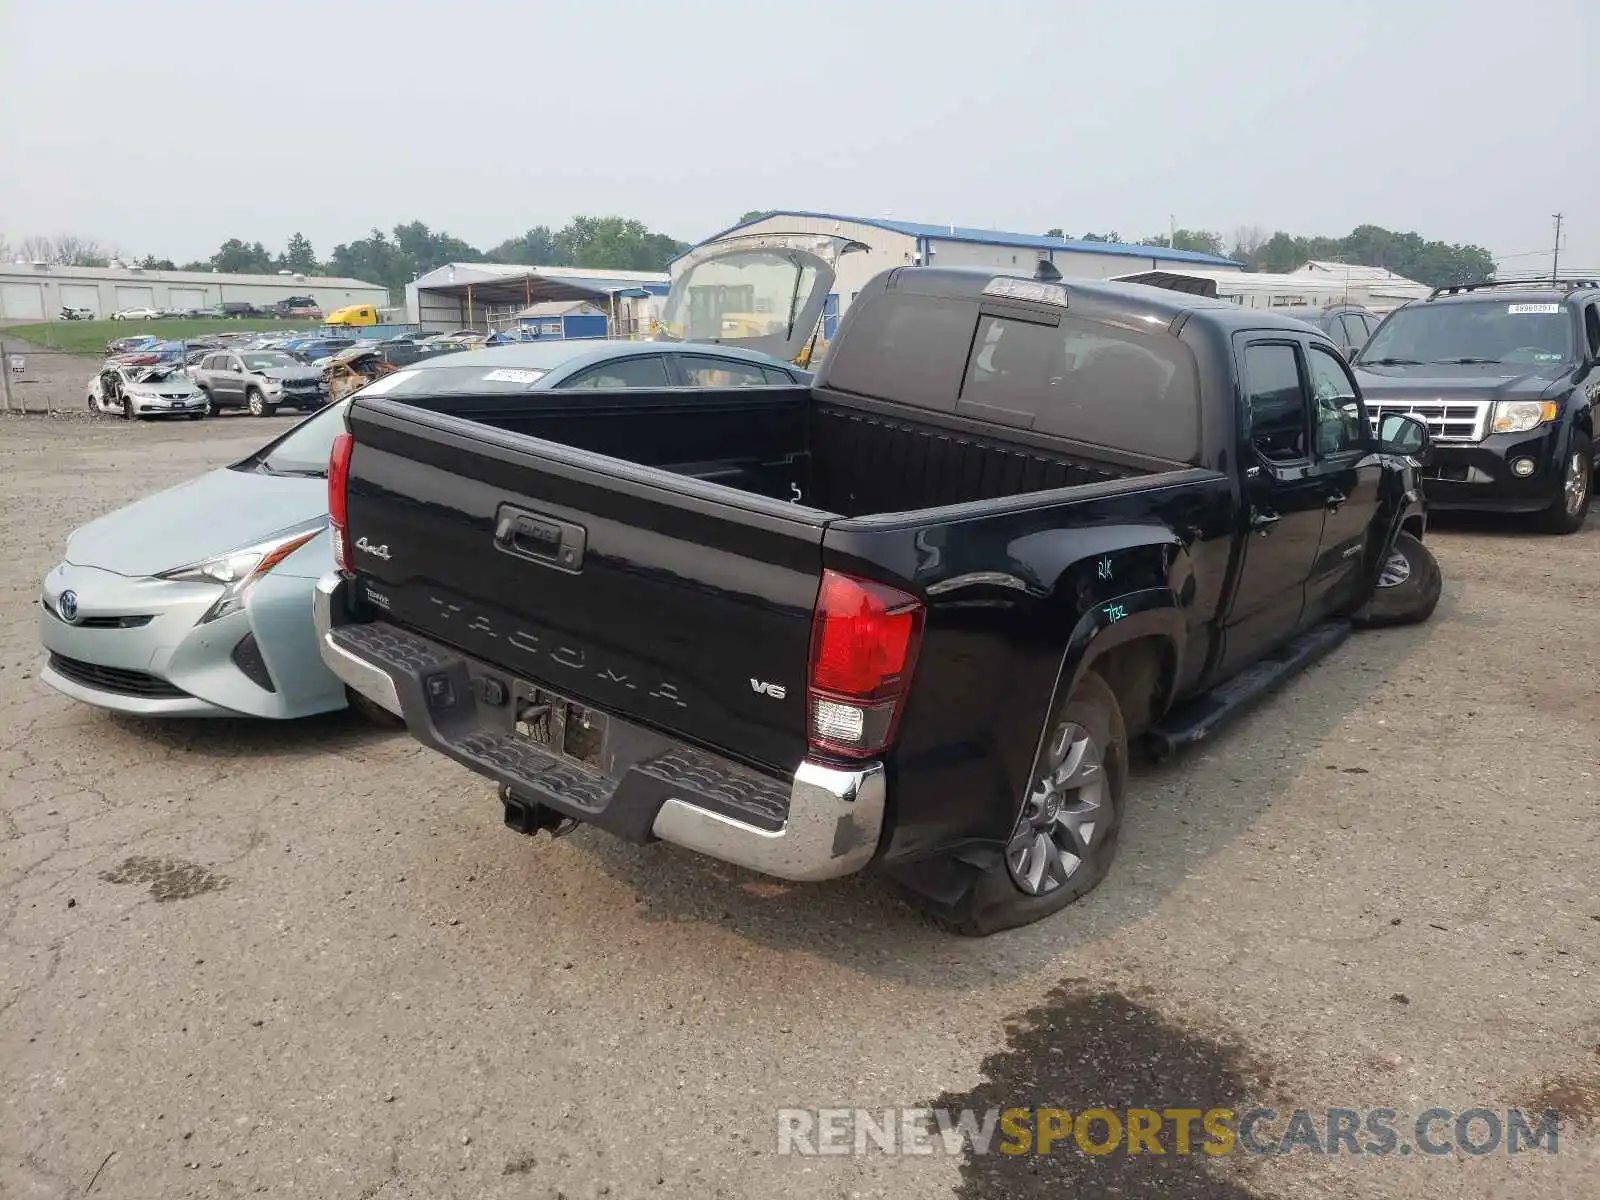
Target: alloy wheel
(1575,486)
(1067,816)
(1396,570)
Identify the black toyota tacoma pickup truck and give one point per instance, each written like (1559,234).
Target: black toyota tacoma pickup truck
(1507,376)
(912,616)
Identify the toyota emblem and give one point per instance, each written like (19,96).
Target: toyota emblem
(67,606)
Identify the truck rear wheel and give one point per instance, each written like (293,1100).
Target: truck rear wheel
(1571,505)
(1066,832)
(1408,586)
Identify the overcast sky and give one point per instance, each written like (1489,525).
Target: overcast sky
(165,126)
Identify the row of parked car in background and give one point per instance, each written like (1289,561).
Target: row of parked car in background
(148,376)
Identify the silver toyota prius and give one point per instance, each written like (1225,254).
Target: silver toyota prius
(195,602)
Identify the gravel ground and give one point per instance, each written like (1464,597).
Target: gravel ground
(309,960)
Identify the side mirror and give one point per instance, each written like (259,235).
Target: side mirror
(1399,434)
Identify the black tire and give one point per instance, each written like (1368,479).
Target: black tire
(127,409)
(211,405)
(996,900)
(257,404)
(1569,510)
(196,416)
(1408,587)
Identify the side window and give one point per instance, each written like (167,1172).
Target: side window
(641,372)
(1335,410)
(1277,402)
(774,375)
(1591,327)
(721,372)
(1355,329)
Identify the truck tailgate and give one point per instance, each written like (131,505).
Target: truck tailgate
(671,602)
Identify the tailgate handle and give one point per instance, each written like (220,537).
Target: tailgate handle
(538,538)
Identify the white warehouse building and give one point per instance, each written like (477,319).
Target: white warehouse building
(903,243)
(39,291)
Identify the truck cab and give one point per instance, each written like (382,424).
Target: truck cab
(353,314)
(1507,376)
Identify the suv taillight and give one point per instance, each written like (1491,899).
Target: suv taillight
(864,640)
(338,509)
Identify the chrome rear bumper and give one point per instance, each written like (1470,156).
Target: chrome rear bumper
(831,826)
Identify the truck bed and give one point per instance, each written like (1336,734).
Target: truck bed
(657,555)
(843,456)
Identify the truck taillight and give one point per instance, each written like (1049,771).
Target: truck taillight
(338,509)
(864,639)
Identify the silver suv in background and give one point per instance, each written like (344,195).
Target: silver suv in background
(261,381)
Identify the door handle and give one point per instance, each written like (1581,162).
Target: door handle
(1335,499)
(1264,521)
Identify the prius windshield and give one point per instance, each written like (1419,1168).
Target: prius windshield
(305,449)
(759,293)
(1531,333)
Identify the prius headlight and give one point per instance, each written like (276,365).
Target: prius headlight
(238,570)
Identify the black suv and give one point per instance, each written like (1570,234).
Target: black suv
(1507,376)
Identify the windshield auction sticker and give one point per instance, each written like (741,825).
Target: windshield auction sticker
(1533,308)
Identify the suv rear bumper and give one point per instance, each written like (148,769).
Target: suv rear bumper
(821,823)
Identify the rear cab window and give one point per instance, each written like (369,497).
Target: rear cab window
(1079,379)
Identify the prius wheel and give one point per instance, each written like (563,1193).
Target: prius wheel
(1065,835)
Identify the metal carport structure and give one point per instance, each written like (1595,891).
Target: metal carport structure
(472,295)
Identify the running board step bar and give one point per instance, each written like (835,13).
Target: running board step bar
(1198,718)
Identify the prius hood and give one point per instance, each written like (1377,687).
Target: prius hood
(220,511)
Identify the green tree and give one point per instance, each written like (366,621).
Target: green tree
(373,259)
(1055,233)
(538,247)
(1113,237)
(618,244)
(1431,262)
(299,255)
(151,263)
(236,257)
(756,214)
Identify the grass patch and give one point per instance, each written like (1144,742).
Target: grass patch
(90,337)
